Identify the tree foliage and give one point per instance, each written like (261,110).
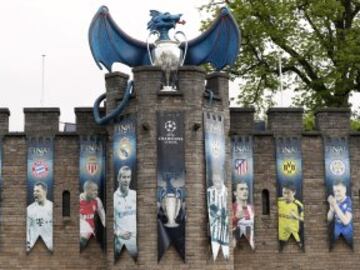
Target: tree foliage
(318,42)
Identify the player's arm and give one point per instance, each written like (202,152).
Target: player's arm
(345,217)
(30,224)
(330,215)
(101,211)
(331,212)
(234,217)
(299,214)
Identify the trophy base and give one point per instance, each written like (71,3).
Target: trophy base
(171,225)
(168,88)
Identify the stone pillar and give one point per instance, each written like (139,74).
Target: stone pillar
(285,121)
(116,83)
(218,83)
(333,121)
(85,123)
(41,121)
(242,121)
(4,120)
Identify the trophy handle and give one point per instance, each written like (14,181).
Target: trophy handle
(154,32)
(178,207)
(186,44)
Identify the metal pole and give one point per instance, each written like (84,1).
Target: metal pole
(42,81)
(281,80)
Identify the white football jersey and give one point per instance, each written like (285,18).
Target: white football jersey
(125,211)
(39,223)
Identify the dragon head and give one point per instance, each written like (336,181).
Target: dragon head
(163,22)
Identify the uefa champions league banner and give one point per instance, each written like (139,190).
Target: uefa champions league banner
(289,190)
(171,214)
(92,191)
(40,178)
(242,189)
(215,181)
(338,190)
(124,165)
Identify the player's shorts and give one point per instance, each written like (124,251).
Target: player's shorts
(86,231)
(345,231)
(285,233)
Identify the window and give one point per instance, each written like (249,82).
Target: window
(66,203)
(265,197)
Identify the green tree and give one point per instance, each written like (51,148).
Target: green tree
(318,42)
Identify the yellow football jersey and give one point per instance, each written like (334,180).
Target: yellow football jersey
(288,223)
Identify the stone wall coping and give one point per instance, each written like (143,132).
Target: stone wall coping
(333,110)
(305,134)
(86,109)
(23,134)
(5,110)
(192,68)
(183,68)
(354,133)
(67,134)
(284,110)
(116,74)
(42,110)
(146,68)
(242,109)
(311,133)
(15,134)
(217,74)
(262,133)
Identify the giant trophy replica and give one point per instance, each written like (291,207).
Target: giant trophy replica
(219,46)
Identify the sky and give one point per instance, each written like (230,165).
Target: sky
(59,30)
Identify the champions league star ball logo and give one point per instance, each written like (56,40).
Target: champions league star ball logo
(124,149)
(40,169)
(337,167)
(289,167)
(170,126)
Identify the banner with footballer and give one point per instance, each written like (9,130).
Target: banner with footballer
(242,189)
(171,214)
(1,180)
(92,191)
(289,190)
(124,165)
(338,190)
(217,192)
(40,178)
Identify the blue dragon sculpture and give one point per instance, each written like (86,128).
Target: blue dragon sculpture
(218,45)
(163,22)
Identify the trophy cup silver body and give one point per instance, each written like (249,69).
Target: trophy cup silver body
(167,55)
(171,206)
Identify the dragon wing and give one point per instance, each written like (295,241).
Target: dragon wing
(109,44)
(218,45)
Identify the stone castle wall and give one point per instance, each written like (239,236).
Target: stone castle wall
(191,100)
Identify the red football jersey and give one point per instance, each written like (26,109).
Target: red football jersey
(88,210)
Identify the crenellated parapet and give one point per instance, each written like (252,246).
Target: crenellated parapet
(197,93)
